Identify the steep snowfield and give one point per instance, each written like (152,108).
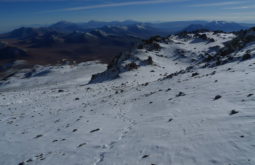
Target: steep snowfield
(141,118)
(53,75)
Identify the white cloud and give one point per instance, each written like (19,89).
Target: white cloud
(117,5)
(241,7)
(218,4)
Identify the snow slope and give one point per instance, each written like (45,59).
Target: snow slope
(142,118)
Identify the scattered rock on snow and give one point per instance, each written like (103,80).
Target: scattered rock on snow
(194,74)
(81,145)
(145,84)
(249,95)
(95,130)
(131,66)
(145,156)
(217,97)
(180,94)
(233,112)
(170,120)
(38,136)
(60,90)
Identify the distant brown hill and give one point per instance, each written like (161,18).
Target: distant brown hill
(44,46)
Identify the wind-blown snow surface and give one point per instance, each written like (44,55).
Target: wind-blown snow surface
(134,120)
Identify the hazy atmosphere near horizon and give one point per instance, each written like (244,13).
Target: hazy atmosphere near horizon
(16,13)
(127,82)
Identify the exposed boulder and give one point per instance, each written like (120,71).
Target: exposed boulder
(246,57)
(131,66)
(149,61)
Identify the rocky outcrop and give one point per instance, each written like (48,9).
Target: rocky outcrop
(151,44)
(122,63)
(243,38)
(113,70)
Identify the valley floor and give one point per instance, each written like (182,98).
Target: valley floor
(134,120)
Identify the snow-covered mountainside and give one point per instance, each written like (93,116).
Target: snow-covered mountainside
(187,99)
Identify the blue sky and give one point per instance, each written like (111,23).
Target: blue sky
(15,13)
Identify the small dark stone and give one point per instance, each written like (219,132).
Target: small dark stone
(95,130)
(145,84)
(217,97)
(145,156)
(60,91)
(241,136)
(169,89)
(249,95)
(77,98)
(21,163)
(170,120)
(81,145)
(38,136)
(195,74)
(180,94)
(213,73)
(233,112)
(74,130)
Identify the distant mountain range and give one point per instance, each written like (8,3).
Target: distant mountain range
(156,28)
(218,25)
(129,27)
